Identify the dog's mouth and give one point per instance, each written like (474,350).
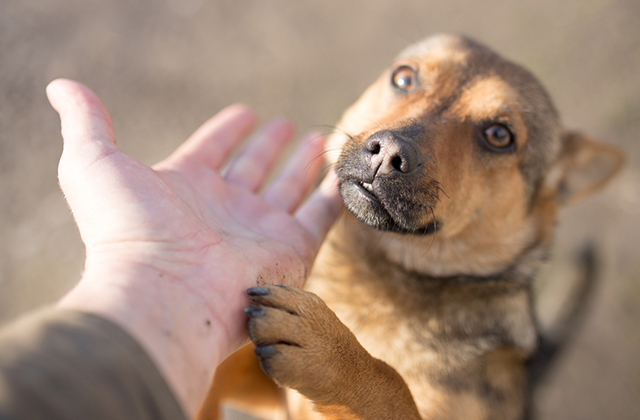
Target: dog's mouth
(384,208)
(366,189)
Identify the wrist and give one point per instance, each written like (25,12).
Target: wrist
(180,329)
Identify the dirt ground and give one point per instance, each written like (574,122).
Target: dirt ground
(164,66)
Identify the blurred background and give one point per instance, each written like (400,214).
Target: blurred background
(164,66)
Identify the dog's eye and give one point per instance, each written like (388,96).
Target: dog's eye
(404,78)
(498,136)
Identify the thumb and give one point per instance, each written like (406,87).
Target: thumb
(88,138)
(86,125)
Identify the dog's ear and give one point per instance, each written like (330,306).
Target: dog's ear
(583,168)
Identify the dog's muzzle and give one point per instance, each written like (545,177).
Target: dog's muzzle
(385,184)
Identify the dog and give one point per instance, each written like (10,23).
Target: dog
(453,166)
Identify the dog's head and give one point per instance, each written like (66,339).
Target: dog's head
(457,149)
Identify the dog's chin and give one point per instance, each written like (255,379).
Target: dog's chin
(369,209)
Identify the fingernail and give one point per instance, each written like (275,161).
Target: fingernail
(258,291)
(266,351)
(254,312)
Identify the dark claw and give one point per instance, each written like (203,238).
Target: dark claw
(254,312)
(266,367)
(266,351)
(258,291)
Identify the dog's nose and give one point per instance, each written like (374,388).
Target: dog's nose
(390,152)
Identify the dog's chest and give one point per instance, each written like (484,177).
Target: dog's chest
(395,313)
(444,343)
(432,332)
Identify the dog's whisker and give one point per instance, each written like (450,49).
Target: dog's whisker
(319,156)
(326,167)
(442,191)
(333,128)
(435,231)
(374,122)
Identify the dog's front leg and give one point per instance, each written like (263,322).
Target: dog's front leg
(303,345)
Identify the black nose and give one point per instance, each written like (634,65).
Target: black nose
(391,153)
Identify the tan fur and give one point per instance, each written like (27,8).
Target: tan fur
(432,323)
(238,377)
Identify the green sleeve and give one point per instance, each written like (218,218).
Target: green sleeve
(67,365)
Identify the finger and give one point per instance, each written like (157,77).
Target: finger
(321,209)
(93,173)
(298,176)
(211,143)
(86,125)
(252,166)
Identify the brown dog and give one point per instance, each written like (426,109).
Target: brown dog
(453,170)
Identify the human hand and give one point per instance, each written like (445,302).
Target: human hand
(171,249)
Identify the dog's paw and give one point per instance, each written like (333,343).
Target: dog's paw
(301,343)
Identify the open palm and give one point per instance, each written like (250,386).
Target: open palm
(182,231)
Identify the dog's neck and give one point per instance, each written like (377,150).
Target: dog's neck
(477,255)
(358,280)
